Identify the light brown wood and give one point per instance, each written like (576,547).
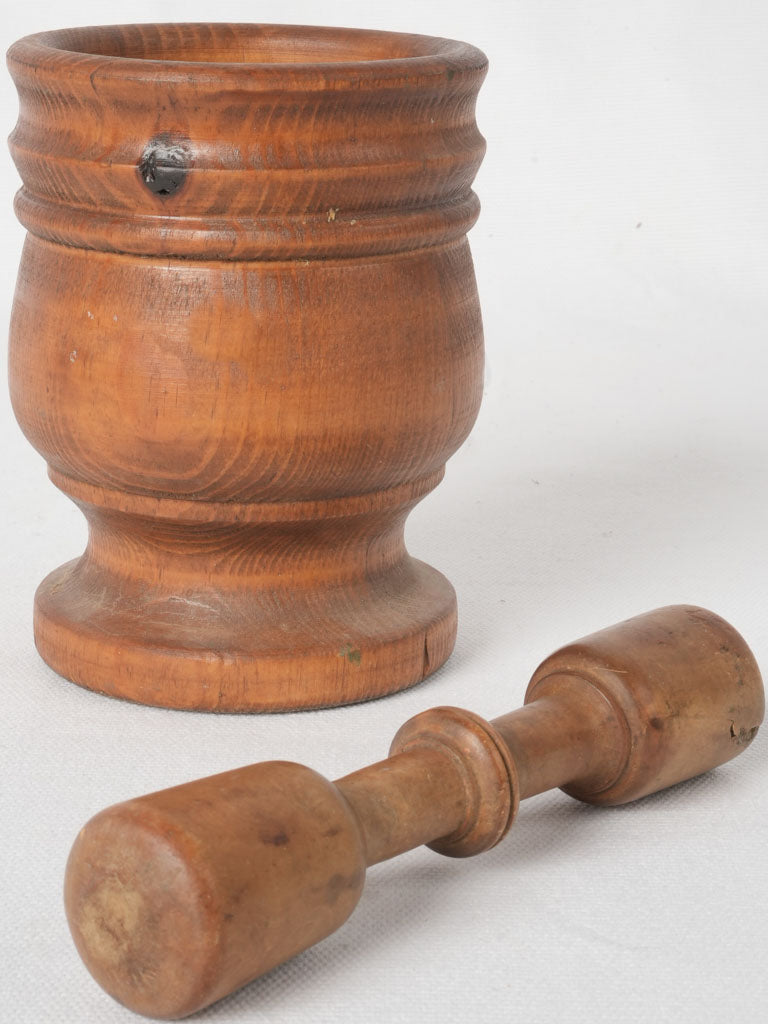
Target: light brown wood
(179,897)
(246,338)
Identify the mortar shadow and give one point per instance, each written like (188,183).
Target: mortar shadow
(601,534)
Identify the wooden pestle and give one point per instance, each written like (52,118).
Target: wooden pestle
(177,898)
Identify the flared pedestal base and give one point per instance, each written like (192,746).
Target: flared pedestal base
(224,607)
(247,651)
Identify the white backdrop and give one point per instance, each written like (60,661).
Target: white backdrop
(619,463)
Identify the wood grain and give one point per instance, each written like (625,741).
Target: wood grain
(246,338)
(177,898)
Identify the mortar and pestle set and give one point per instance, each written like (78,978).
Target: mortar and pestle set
(246,338)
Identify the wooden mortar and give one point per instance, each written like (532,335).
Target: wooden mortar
(246,337)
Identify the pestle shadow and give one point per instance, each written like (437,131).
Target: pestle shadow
(419,880)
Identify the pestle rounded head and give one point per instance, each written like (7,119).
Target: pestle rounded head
(685,688)
(178,898)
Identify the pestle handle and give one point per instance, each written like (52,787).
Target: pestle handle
(177,898)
